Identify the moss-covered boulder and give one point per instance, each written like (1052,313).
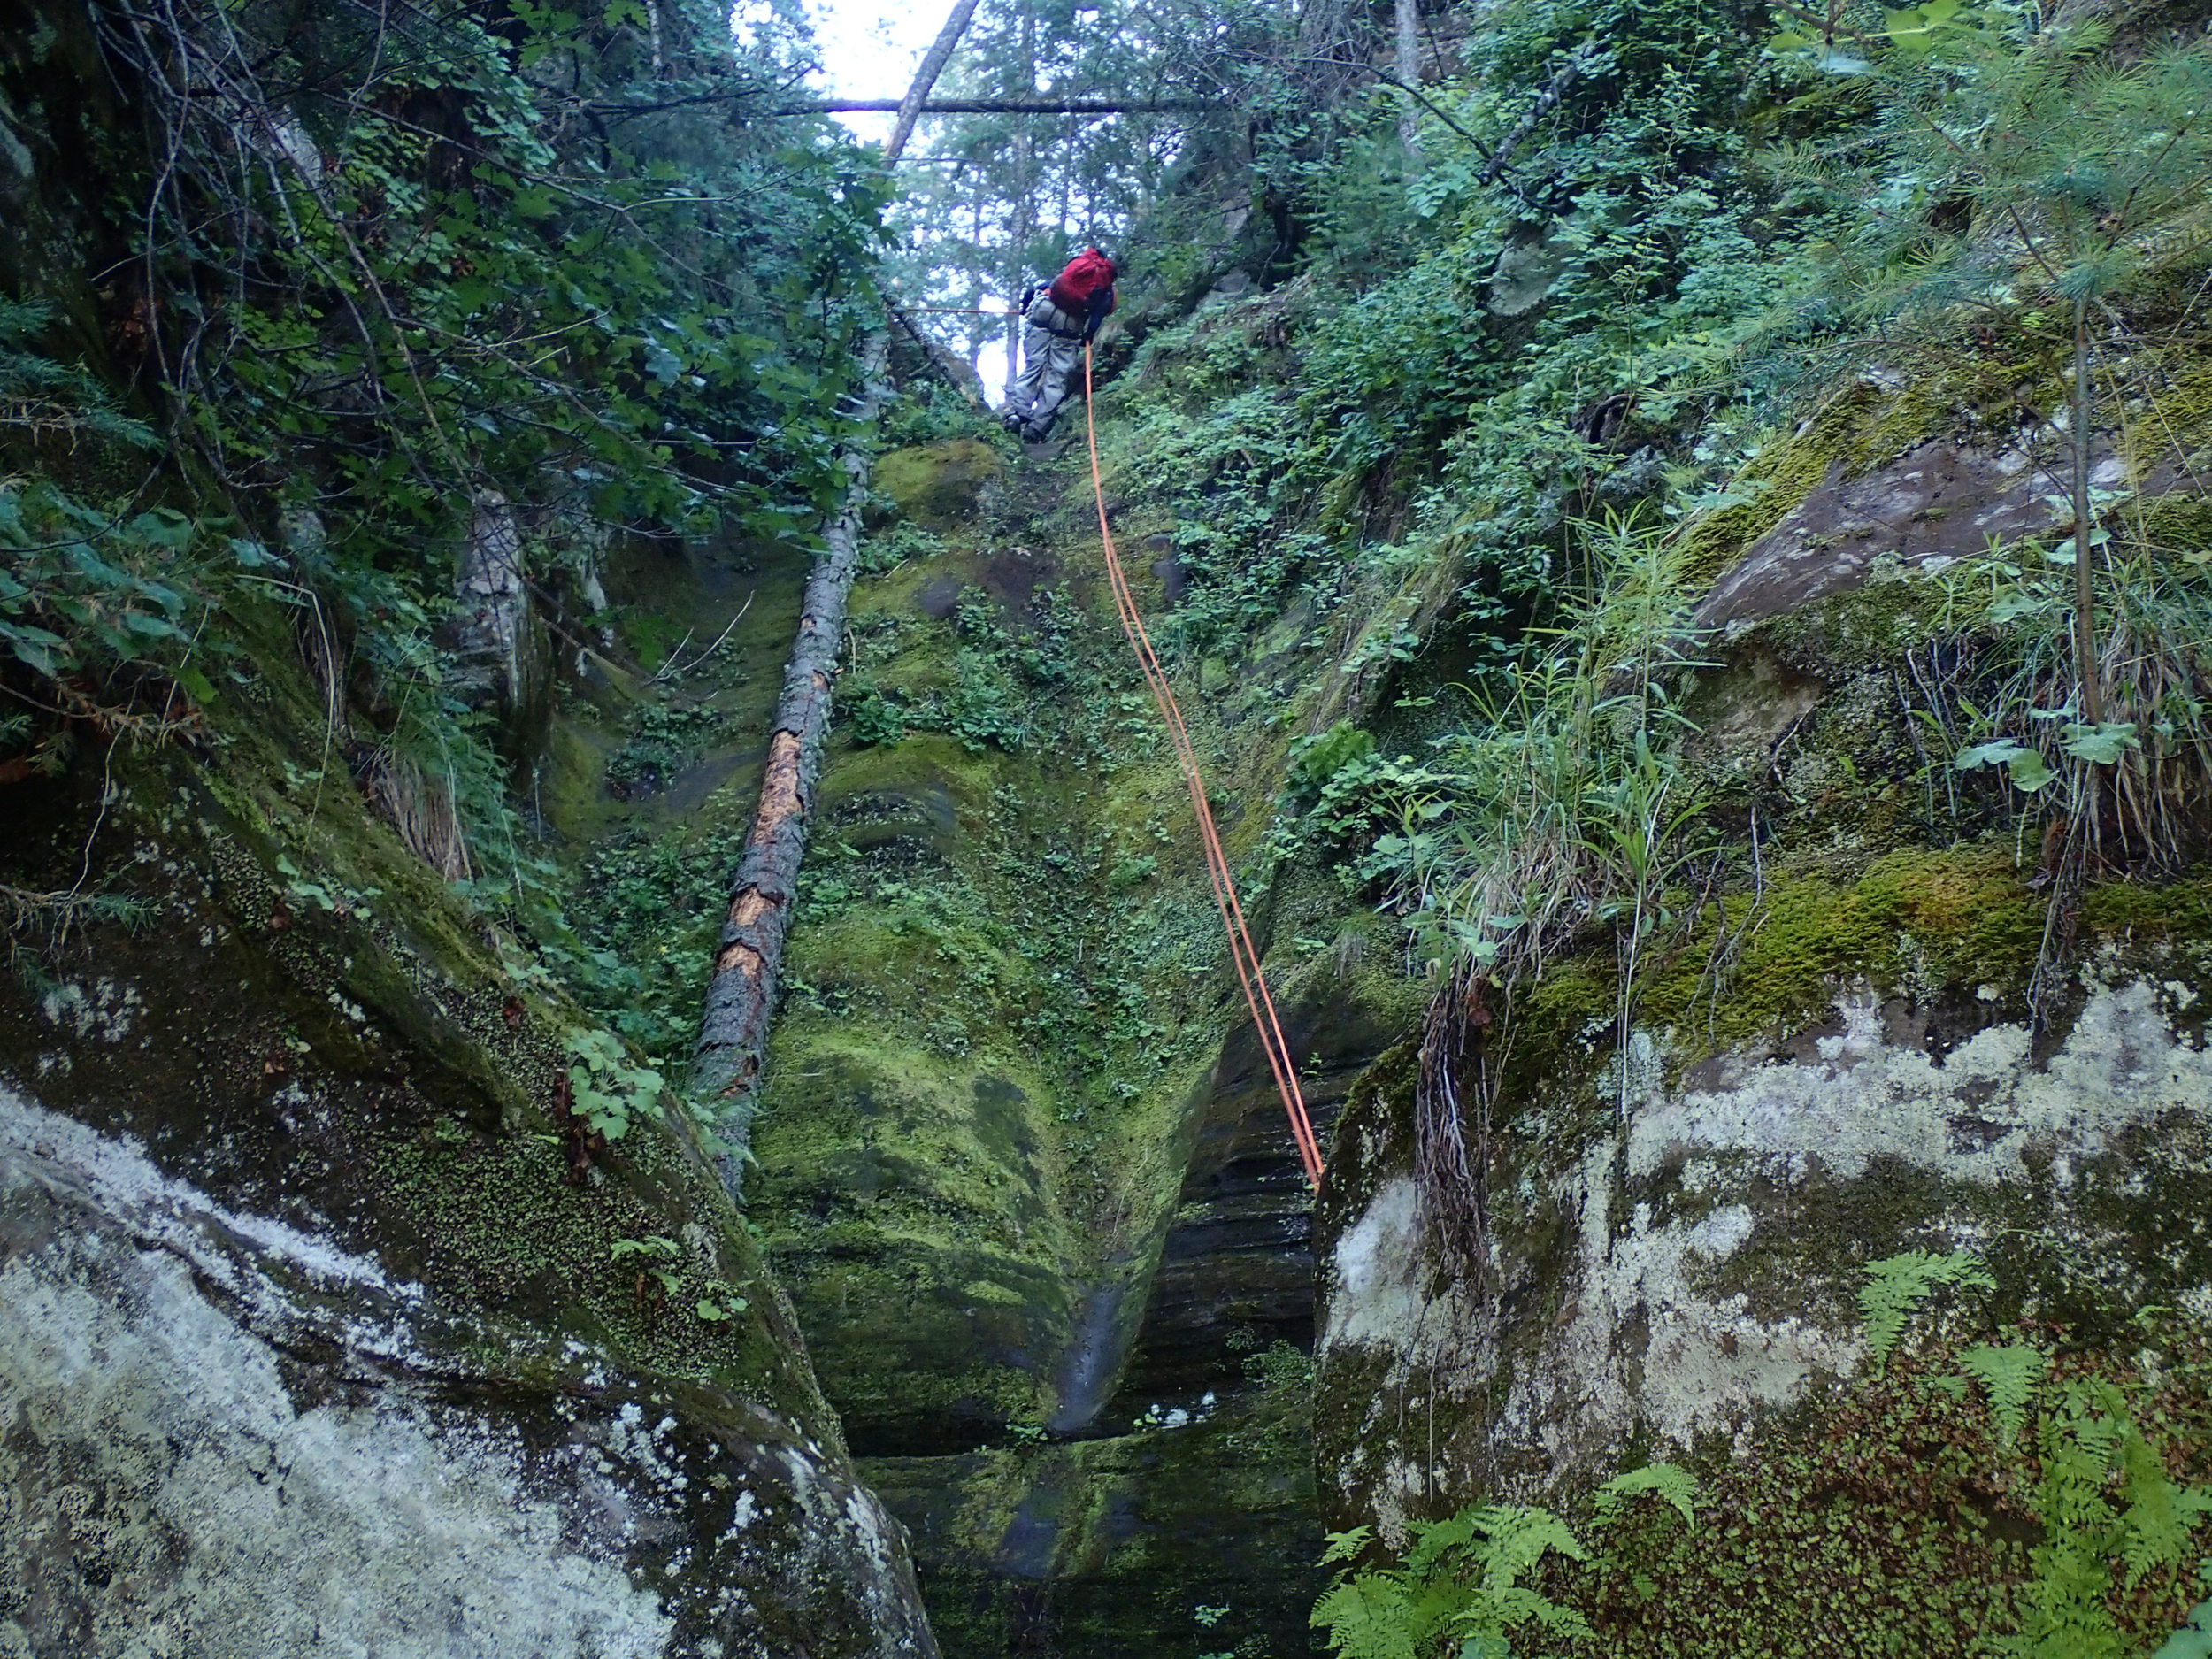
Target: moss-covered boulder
(325,1319)
(940,485)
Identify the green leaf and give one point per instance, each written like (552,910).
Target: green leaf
(2009,1376)
(2029,771)
(661,364)
(2193,1640)
(2100,745)
(1997,752)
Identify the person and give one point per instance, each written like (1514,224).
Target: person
(1060,321)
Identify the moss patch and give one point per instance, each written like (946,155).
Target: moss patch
(940,485)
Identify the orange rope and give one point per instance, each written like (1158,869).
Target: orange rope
(1256,996)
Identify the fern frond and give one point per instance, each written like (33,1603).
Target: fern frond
(1437,1542)
(1368,1617)
(1897,1285)
(1519,1605)
(2161,1517)
(1517,1538)
(1678,1485)
(2009,1376)
(1345,1546)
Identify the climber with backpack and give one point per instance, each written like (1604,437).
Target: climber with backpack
(1063,316)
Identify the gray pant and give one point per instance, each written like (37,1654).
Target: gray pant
(1052,345)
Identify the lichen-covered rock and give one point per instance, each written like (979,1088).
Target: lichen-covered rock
(217,1426)
(324,1323)
(1671,1284)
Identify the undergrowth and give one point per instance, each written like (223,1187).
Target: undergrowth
(2017,1497)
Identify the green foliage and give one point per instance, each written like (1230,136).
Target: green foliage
(652,1252)
(1555,799)
(1897,1285)
(2080,174)
(2009,1375)
(609,1091)
(666,737)
(1458,1591)
(42,400)
(992,702)
(873,721)
(2022,715)
(1316,762)
(1675,1484)
(542,290)
(2093,1457)
(94,597)
(882,551)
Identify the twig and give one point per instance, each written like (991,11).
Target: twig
(670,672)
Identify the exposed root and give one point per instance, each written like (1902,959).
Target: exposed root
(1451,1179)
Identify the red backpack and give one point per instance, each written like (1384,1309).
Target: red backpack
(1087,273)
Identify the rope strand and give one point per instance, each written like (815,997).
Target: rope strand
(1241,951)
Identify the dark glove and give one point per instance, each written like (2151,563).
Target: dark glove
(1101,303)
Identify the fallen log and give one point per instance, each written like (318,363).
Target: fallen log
(733,1047)
(725,1065)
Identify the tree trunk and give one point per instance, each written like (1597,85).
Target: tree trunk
(933,61)
(1410,73)
(1019,231)
(1067,173)
(726,1066)
(489,636)
(998,106)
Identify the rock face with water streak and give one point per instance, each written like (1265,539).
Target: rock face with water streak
(1022,1166)
(322,1325)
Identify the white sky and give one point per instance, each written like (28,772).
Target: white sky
(871,49)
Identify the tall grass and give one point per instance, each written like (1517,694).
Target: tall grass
(1556,805)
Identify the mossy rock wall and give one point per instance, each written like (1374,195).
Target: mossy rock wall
(1838,1067)
(1019,1161)
(317,1328)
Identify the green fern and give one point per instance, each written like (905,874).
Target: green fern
(1897,1285)
(2009,1376)
(1369,1616)
(1677,1485)
(1457,1592)
(2161,1517)
(39,396)
(2087,1438)
(1345,1546)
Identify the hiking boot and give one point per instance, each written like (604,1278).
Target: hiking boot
(1011,421)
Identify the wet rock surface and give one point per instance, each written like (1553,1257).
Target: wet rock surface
(315,1328)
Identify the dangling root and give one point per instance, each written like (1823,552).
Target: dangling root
(1451,1179)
